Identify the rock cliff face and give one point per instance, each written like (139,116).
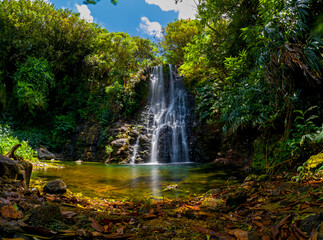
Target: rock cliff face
(162,131)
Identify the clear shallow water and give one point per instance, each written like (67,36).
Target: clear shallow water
(129,181)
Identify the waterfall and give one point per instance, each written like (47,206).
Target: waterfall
(168,110)
(135,151)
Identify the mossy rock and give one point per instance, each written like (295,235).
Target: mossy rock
(212,192)
(213,204)
(43,215)
(314,162)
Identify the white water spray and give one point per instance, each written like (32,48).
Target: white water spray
(168,107)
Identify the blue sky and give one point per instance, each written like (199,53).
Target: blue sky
(143,18)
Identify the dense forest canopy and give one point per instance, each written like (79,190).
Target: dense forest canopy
(257,66)
(56,69)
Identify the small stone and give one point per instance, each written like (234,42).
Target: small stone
(55,187)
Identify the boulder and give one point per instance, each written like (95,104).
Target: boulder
(119,142)
(43,153)
(55,187)
(15,169)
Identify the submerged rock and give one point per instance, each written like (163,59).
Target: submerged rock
(55,187)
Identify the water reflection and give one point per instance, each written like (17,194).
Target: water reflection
(99,180)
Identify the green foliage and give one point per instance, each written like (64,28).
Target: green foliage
(33,80)
(206,102)
(250,65)
(304,134)
(178,35)
(64,127)
(8,140)
(108,149)
(53,63)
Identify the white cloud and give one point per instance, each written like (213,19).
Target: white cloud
(186,8)
(85,12)
(151,28)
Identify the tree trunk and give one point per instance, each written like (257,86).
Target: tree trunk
(11,153)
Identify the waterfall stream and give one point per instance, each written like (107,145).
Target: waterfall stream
(168,110)
(135,151)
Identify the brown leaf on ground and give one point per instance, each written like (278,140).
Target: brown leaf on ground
(258,224)
(120,231)
(314,234)
(117,236)
(96,225)
(196,208)
(68,214)
(203,230)
(276,228)
(299,233)
(239,234)
(227,216)
(148,217)
(9,211)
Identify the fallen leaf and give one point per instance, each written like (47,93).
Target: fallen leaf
(96,234)
(96,225)
(148,217)
(117,236)
(230,217)
(67,233)
(239,234)
(282,222)
(196,208)
(120,230)
(203,230)
(258,224)
(68,214)
(9,211)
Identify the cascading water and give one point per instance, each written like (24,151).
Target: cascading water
(168,109)
(135,151)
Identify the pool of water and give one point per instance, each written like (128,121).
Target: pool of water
(128,181)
